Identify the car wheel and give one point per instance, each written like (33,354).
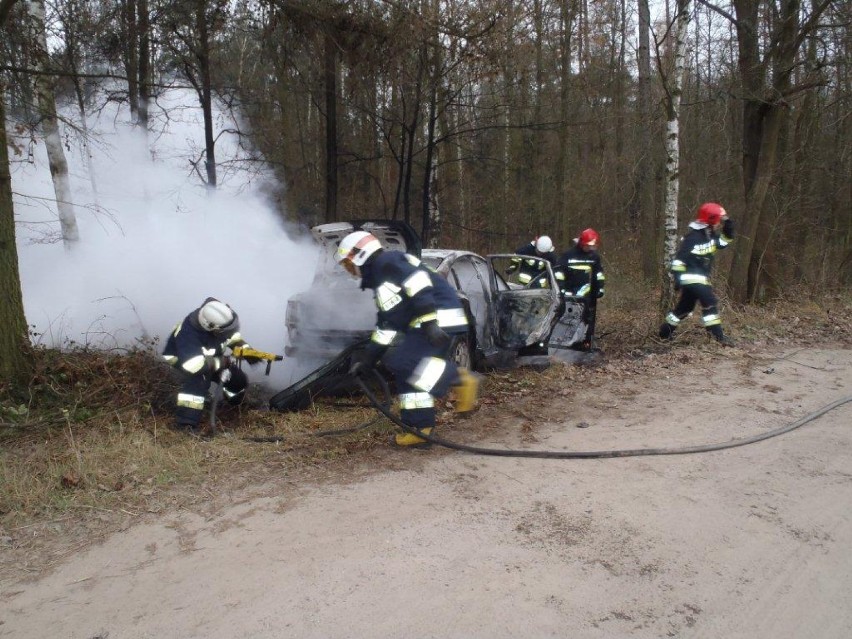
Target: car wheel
(460,352)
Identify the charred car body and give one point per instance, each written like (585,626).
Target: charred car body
(328,324)
(503,317)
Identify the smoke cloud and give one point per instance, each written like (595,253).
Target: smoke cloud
(154,242)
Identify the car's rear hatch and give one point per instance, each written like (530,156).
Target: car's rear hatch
(335,312)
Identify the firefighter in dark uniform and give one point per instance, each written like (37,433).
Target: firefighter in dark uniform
(196,348)
(418,312)
(580,275)
(530,269)
(579,270)
(691,269)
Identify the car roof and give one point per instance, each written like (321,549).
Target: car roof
(442,259)
(437,253)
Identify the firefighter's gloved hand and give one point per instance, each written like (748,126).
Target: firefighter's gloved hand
(437,337)
(251,360)
(728,228)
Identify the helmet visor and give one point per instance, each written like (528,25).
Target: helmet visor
(350,267)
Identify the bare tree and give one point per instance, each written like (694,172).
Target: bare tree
(14,342)
(646,216)
(143,28)
(75,19)
(769,36)
(192,28)
(50,126)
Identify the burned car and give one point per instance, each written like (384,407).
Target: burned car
(503,316)
(328,324)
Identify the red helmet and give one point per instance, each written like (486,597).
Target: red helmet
(711,213)
(589,237)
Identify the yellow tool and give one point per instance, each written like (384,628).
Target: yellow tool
(252,355)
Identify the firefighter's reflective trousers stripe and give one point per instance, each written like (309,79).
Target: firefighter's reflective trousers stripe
(690,295)
(193,392)
(421,373)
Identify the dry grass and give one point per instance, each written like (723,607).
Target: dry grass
(86,447)
(91,434)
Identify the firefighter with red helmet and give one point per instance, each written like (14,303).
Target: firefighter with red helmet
(530,269)
(418,313)
(196,348)
(579,269)
(711,230)
(581,277)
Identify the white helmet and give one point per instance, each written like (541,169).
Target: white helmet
(355,249)
(214,316)
(543,244)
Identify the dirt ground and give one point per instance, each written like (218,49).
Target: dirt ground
(748,542)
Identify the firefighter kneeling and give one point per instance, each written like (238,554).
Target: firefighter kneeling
(419,312)
(196,348)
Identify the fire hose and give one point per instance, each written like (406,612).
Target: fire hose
(598,454)
(383,408)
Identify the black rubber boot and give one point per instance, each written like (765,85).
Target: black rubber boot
(719,335)
(666,331)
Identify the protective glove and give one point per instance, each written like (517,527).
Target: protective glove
(251,360)
(728,228)
(436,336)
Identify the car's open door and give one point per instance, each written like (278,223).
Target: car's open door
(525,313)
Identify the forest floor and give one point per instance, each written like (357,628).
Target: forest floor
(350,537)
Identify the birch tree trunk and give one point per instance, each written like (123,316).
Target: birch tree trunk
(674,89)
(50,128)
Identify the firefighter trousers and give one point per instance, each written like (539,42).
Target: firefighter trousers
(421,373)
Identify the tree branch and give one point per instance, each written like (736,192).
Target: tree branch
(5,9)
(720,11)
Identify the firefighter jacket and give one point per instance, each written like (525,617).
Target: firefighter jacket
(529,269)
(407,294)
(694,259)
(197,351)
(580,273)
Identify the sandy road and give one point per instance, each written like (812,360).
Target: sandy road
(750,542)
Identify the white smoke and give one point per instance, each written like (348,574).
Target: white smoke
(154,242)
